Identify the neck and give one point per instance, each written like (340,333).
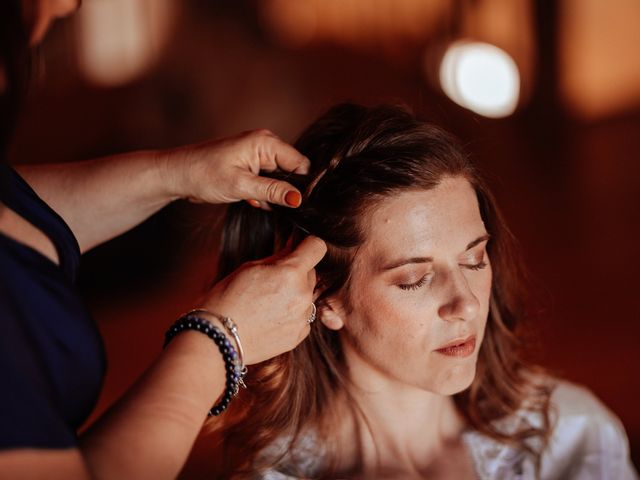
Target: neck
(402,427)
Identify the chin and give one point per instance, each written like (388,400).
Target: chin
(456,379)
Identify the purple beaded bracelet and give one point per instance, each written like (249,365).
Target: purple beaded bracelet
(232,366)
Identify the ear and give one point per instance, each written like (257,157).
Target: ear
(332,313)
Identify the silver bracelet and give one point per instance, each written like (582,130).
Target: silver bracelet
(232,328)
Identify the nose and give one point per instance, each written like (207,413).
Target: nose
(459,302)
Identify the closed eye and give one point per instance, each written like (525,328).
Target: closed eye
(416,285)
(420,283)
(477,266)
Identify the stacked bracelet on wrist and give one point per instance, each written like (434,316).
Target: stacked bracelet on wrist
(231,328)
(233,363)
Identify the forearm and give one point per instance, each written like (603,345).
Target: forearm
(103,198)
(150,431)
(100,199)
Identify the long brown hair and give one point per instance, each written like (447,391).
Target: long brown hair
(360,156)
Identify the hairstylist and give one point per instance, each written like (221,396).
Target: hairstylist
(51,357)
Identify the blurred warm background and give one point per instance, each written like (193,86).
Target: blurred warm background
(555,124)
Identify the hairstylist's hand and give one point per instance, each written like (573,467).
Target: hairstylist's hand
(227,170)
(270,300)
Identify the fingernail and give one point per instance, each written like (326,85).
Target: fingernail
(293,198)
(254,203)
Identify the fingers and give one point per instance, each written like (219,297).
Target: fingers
(279,154)
(261,190)
(256,204)
(307,255)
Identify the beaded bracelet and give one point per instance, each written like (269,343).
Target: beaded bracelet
(231,329)
(232,367)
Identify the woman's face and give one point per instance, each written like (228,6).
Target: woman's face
(420,287)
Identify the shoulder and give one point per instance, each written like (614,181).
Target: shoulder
(569,401)
(587,439)
(578,415)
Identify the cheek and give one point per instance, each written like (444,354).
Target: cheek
(481,288)
(480,283)
(372,315)
(383,315)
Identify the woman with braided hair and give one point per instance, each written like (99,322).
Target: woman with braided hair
(414,367)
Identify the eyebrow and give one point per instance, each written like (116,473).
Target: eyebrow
(407,261)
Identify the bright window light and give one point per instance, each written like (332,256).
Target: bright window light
(480,77)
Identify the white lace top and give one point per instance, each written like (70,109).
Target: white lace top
(588,442)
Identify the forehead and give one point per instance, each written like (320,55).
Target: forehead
(444,218)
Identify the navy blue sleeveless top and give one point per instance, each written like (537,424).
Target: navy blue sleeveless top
(52,358)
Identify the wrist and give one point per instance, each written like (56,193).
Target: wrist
(229,328)
(197,348)
(171,167)
(196,322)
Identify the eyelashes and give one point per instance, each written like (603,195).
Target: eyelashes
(477,266)
(427,277)
(416,285)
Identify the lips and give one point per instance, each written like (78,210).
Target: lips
(459,347)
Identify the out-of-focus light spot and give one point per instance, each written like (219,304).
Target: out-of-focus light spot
(121,39)
(599,65)
(480,77)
